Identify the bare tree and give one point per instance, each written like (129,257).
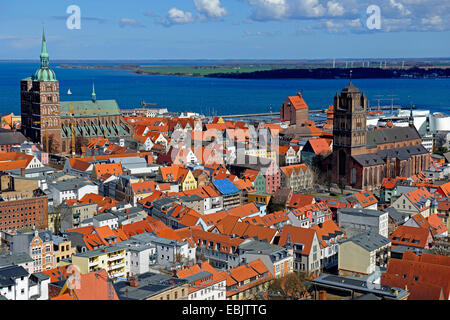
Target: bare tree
(292,286)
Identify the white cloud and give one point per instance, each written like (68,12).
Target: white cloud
(432,20)
(262,33)
(400,7)
(335,8)
(177,16)
(210,8)
(396,15)
(268,9)
(130,22)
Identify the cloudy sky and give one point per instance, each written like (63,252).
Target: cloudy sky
(226,29)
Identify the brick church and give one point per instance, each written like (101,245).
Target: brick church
(361,158)
(295,110)
(47,119)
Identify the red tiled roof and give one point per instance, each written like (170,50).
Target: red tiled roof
(295,235)
(95,286)
(108,168)
(410,236)
(416,276)
(320,145)
(297,102)
(365,198)
(299,200)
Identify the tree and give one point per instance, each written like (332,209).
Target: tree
(292,286)
(79,143)
(53,144)
(440,150)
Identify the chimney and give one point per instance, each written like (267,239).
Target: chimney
(133,281)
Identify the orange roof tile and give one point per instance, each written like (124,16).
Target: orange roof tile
(108,168)
(297,102)
(95,286)
(320,145)
(295,235)
(299,200)
(410,236)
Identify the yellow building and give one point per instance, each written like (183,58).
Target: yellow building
(62,250)
(189,182)
(362,253)
(259,198)
(111,258)
(262,153)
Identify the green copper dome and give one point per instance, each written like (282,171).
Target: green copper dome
(44,73)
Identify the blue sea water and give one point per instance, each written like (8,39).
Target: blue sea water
(221,96)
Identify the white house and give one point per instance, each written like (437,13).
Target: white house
(363,220)
(105,219)
(71,189)
(17,284)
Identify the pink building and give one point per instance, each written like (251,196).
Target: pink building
(272,173)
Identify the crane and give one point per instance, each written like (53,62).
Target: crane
(72,128)
(45,133)
(146,104)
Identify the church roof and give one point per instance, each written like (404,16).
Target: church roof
(404,153)
(351,88)
(391,135)
(90,108)
(370,159)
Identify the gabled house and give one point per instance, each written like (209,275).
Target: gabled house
(413,202)
(305,246)
(432,223)
(329,237)
(297,177)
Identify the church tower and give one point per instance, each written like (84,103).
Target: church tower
(349,130)
(40,106)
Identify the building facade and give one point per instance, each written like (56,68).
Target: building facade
(361,158)
(47,120)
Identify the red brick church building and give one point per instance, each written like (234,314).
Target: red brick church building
(295,110)
(361,158)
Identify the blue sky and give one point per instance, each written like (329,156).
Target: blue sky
(226,29)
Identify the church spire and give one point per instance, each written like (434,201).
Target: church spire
(44,73)
(93,95)
(44,53)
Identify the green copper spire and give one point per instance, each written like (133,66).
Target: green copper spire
(44,73)
(44,53)
(94,97)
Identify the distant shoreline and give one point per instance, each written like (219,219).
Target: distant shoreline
(232,71)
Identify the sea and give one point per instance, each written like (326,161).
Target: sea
(211,96)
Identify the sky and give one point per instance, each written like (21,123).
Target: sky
(226,29)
